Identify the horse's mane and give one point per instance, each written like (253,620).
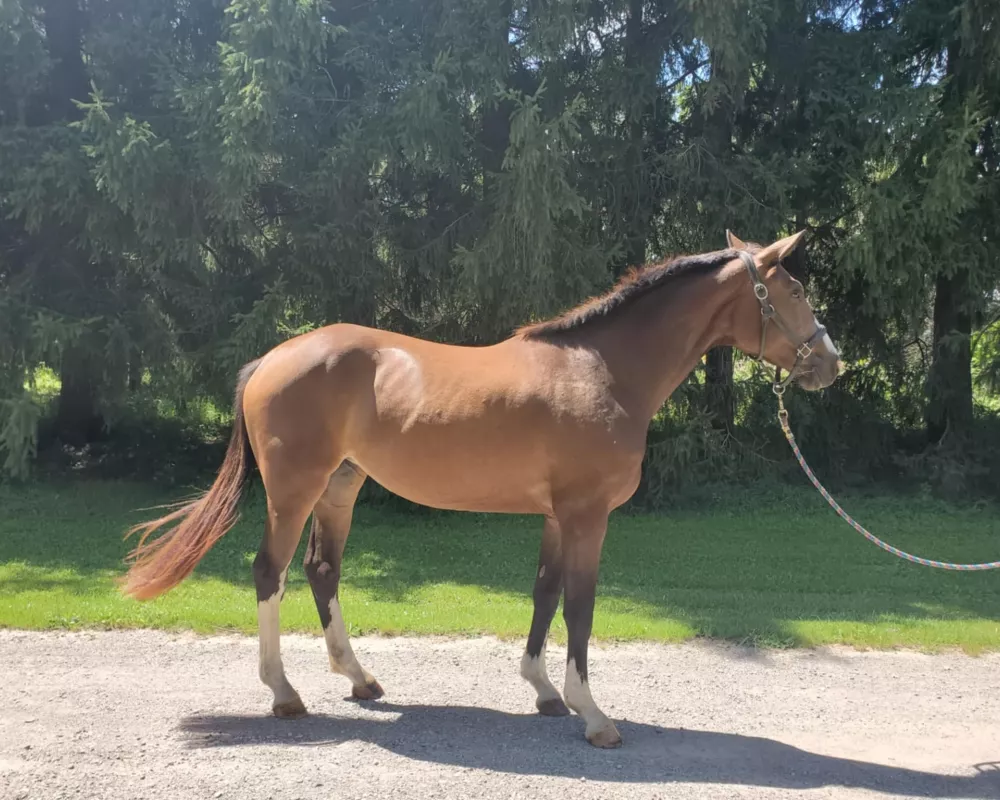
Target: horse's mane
(633,285)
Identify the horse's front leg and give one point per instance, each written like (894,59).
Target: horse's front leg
(582,541)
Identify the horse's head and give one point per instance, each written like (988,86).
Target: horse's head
(775,321)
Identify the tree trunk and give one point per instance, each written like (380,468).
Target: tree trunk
(78,419)
(68,77)
(135,373)
(495,134)
(634,201)
(720,395)
(720,398)
(949,383)
(635,206)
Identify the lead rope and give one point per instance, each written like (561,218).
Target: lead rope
(783,419)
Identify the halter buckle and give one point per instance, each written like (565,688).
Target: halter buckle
(760,290)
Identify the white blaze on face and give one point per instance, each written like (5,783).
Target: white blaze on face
(831,348)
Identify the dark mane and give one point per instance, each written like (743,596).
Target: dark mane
(633,285)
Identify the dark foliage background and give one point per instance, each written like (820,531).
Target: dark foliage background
(184,183)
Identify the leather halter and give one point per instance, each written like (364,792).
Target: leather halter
(804,347)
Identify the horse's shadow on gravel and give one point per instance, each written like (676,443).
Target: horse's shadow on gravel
(527,744)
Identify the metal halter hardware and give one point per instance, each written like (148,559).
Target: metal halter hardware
(768,312)
(803,351)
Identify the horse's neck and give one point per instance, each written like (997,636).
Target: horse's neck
(653,346)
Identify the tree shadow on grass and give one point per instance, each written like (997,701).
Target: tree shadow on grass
(75,583)
(743,583)
(723,574)
(485,739)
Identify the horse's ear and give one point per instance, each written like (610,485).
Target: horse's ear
(774,254)
(734,241)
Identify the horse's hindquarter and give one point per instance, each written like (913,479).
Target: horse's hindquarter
(503,428)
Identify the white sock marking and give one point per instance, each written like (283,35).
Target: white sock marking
(338,645)
(271,670)
(534,672)
(579,699)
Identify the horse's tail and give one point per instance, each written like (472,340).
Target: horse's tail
(161,564)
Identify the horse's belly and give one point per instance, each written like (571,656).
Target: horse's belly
(480,440)
(504,468)
(465,478)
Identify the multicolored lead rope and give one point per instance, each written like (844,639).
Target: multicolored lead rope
(783,419)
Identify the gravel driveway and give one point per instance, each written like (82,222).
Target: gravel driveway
(152,715)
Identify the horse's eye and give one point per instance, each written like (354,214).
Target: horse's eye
(796,294)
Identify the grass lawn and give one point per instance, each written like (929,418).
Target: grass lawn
(777,570)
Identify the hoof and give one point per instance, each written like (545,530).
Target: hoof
(553,707)
(293,709)
(370,691)
(606,738)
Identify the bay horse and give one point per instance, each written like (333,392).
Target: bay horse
(551,421)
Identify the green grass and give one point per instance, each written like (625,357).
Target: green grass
(778,569)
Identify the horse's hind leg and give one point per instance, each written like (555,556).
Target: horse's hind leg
(548,586)
(331,525)
(288,507)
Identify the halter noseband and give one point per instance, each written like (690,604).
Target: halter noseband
(768,312)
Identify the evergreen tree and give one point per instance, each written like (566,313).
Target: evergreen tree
(184,184)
